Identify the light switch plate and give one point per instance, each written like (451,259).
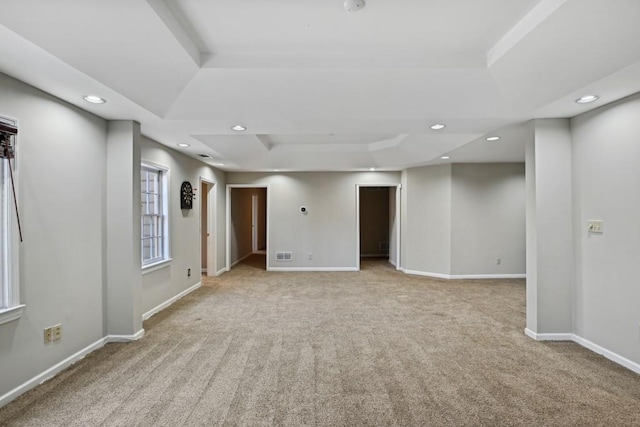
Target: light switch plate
(595,226)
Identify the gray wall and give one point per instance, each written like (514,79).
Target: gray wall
(62,198)
(606,186)
(184,225)
(328,230)
(426,232)
(458,219)
(488,218)
(550,264)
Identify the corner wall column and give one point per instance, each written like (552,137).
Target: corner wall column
(550,265)
(123,273)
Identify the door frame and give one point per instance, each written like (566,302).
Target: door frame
(398,187)
(212,258)
(228,221)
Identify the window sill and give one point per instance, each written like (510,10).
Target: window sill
(156,266)
(10,314)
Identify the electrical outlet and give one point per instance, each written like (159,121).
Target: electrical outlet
(498,261)
(310,256)
(188,272)
(48,335)
(56,331)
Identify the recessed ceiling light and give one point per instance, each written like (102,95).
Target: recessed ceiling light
(372,169)
(94,99)
(493,138)
(445,157)
(182,144)
(219,164)
(438,126)
(206,156)
(238,128)
(587,99)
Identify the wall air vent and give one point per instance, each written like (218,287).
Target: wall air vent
(284,256)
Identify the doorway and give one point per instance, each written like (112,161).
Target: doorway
(208,261)
(378,228)
(247,225)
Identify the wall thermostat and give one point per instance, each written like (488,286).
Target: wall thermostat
(303,209)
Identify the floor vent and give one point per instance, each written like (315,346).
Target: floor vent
(284,256)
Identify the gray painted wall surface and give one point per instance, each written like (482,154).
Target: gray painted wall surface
(61,150)
(328,230)
(458,219)
(123,302)
(161,285)
(549,289)
(488,218)
(606,184)
(427,229)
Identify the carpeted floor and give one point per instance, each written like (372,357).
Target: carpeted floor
(374,347)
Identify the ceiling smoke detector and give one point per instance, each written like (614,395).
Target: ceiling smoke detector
(353,5)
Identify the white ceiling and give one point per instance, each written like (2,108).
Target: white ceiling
(319,88)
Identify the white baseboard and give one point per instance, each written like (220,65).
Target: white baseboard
(312,268)
(222,270)
(614,357)
(170,301)
(488,276)
(392,262)
(50,373)
(424,273)
(548,337)
(124,338)
(464,276)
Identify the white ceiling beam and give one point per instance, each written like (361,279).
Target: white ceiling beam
(526,25)
(179,33)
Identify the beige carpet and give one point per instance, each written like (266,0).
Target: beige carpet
(375,347)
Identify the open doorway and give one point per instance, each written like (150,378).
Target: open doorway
(207,229)
(378,223)
(247,208)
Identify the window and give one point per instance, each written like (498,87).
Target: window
(154,214)
(10,308)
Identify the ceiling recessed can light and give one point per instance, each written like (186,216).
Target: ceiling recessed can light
(372,169)
(206,156)
(182,144)
(238,128)
(587,99)
(94,99)
(445,157)
(493,138)
(438,126)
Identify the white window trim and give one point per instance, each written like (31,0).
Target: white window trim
(10,256)
(10,314)
(166,260)
(149,268)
